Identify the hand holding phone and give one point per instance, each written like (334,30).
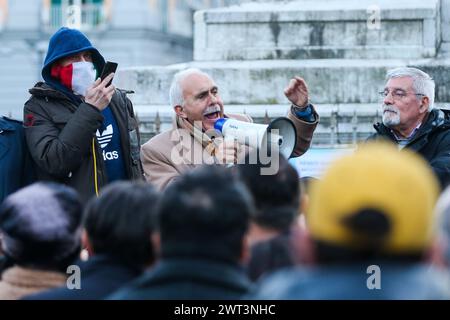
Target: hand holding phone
(110,67)
(96,95)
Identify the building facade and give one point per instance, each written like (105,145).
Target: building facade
(130,32)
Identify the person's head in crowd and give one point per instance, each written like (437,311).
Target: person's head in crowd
(120,221)
(41,226)
(41,237)
(276,196)
(376,203)
(205,214)
(274,230)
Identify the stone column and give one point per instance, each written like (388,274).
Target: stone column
(445,26)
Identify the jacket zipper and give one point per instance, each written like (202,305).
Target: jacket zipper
(94,157)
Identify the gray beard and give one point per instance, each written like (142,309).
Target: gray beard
(390,119)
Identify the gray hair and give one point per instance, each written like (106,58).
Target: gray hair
(422,82)
(176,92)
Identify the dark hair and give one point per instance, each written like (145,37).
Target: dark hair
(270,255)
(276,197)
(370,228)
(205,214)
(119,222)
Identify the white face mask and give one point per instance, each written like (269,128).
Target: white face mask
(83,76)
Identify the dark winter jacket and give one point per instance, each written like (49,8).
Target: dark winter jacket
(62,143)
(188,278)
(60,128)
(16,166)
(100,276)
(432,141)
(350,281)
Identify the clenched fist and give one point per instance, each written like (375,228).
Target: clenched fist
(297,92)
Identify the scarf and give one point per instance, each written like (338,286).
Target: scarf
(198,134)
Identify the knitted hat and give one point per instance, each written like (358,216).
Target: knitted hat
(41,223)
(377,178)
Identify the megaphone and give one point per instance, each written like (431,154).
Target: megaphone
(280,134)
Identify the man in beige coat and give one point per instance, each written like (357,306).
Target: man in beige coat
(192,141)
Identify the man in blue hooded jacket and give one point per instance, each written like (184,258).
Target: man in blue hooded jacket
(80,131)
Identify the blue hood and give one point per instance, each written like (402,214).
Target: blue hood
(63,43)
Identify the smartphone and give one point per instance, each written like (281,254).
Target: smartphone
(109,68)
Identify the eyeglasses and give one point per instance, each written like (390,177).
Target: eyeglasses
(397,94)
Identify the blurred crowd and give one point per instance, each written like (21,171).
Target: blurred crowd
(375,226)
(87,211)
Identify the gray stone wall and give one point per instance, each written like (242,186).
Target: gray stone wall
(23,17)
(252,51)
(320,29)
(445,20)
